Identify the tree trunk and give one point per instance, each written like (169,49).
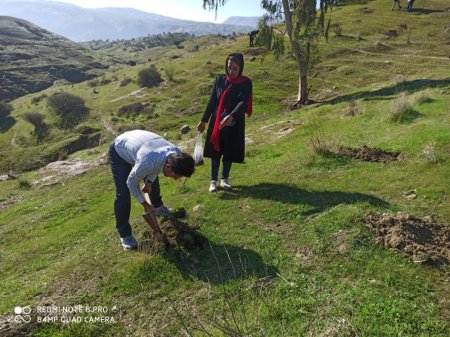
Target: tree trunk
(302,96)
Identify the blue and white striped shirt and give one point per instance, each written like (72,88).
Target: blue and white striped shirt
(147,152)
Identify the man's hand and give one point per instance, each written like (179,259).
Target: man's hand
(201,127)
(161,238)
(226,122)
(147,187)
(148,208)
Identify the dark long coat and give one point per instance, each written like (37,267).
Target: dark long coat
(232,138)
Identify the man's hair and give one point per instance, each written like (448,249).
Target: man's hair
(181,163)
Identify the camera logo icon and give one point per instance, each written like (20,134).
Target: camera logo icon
(22,314)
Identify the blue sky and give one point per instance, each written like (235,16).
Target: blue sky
(181,9)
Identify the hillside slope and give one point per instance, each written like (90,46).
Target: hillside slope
(33,58)
(297,248)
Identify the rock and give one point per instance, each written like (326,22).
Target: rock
(185,129)
(197,208)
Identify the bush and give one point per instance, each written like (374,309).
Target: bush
(134,109)
(5,109)
(70,108)
(37,99)
(149,77)
(35,118)
(125,81)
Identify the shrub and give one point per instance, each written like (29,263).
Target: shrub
(134,109)
(70,108)
(125,81)
(35,118)
(149,77)
(401,107)
(421,97)
(5,109)
(37,99)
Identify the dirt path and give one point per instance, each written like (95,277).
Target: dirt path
(108,126)
(13,140)
(402,55)
(134,93)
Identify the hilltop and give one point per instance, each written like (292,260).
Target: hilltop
(338,223)
(85,24)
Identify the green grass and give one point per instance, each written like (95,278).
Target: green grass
(288,253)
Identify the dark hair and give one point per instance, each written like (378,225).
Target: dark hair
(237,58)
(181,163)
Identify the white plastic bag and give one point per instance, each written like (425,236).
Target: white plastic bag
(198,151)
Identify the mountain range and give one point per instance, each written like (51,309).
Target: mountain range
(82,24)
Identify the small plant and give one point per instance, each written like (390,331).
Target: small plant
(429,152)
(24,184)
(149,77)
(353,109)
(401,108)
(322,146)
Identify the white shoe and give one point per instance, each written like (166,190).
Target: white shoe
(129,242)
(213,186)
(225,184)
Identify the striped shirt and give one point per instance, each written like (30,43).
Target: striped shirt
(147,152)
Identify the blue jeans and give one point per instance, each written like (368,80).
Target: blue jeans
(122,204)
(226,167)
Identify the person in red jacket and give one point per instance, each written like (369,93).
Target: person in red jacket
(230,100)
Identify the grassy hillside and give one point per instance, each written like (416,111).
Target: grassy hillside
(33,58)
(287,252)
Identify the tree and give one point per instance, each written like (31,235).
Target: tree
(305,22)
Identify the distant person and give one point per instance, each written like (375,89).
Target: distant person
(140,156)
(252,36)
(230,99)
(398,4)
(409,7)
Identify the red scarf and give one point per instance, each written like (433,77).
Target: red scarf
(215,134)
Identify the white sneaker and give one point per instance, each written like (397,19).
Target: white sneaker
(129,242)
(213,186)
(162,211)
(225,184)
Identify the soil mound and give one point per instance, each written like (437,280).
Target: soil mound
(421,239)
(369,154)
(178,233)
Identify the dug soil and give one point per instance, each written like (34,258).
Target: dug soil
(369,154)
(178,234)
(421,239)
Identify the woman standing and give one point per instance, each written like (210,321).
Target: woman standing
(230,99)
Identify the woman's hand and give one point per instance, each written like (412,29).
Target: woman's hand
(201,127)
(226,122)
